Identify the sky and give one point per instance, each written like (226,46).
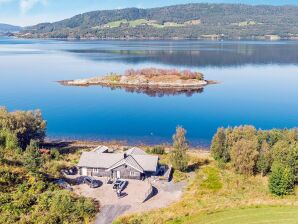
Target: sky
(31,12)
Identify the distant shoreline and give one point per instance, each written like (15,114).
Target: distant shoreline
(88,143)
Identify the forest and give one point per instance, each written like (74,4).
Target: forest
(190,21)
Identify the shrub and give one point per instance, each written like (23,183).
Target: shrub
(159,150)
(55,154)
(113,77)
(151,72)
(281,180)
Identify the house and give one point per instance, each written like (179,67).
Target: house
(132,164)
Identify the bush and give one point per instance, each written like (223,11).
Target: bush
(281,180)
(55,154)
(159,150)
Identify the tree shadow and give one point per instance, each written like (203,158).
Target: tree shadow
(11,162)
(195,166)
(64,147)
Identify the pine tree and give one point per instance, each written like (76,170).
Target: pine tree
(281,180)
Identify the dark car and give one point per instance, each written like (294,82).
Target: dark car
(123,185)
(116,184)
(70,171)
(63,184)
(120,184)
(93,183)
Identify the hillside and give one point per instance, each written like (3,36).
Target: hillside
(190,21)
(4,28)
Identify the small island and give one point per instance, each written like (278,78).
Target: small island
(151,81)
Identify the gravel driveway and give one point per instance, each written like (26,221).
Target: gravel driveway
(109,212)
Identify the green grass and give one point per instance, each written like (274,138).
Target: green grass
(138,22)
(215,193)
(212,179)
(116,24)
(261,215)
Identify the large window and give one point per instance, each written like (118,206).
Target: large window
(95,170)
(133,174)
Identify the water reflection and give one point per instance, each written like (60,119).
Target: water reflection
(155,92)
(215,55)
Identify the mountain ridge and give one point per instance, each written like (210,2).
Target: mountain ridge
(4,28)
(188,21)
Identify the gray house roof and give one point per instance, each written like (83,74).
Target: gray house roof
(101,149)
(148,162)
(135,151)
(99,160)
(129,161)
(135,158)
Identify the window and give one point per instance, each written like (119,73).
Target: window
(95,170)
(133,174)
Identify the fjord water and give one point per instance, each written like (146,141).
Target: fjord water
(258,86)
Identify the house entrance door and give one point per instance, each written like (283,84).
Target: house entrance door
(84,171)
(118,175)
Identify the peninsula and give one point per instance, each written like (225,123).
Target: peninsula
(148,80)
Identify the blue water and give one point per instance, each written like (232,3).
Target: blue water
(258,86)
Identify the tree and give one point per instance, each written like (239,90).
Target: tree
(26,125)
(219,149)
(286,154)
(178,156)
(281,180)
(32,156)
(265,160)
(244,155)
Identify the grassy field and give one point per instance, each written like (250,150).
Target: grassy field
(138,22)
(260,215)
(215,192)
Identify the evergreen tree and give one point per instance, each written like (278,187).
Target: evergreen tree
(32,156)
(281,180)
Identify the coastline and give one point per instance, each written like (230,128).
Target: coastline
(90,144)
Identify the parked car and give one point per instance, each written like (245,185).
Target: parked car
(63,184)
(120,184)
(116,184)
(93,183)
(70,171)
(123,185)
